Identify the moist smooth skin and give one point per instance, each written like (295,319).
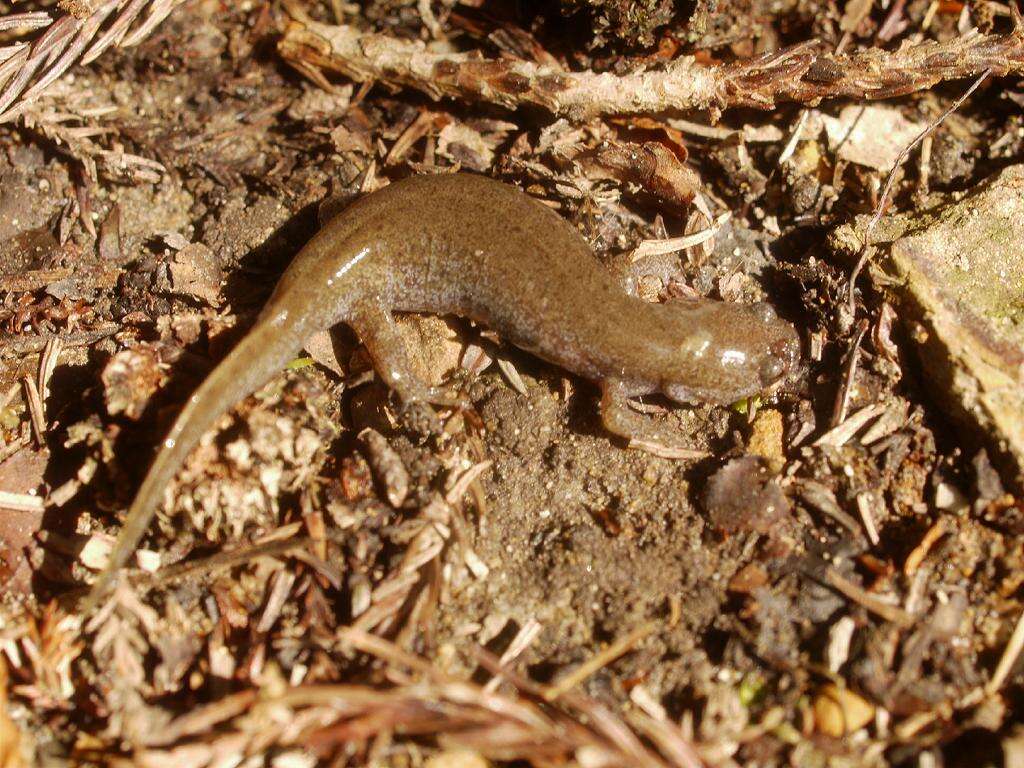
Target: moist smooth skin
(467,245)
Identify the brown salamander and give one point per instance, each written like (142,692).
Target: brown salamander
(467,245)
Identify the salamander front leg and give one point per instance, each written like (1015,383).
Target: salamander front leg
(621,420)
(384,342)
(618,417)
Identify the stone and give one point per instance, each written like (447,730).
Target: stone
(956,271)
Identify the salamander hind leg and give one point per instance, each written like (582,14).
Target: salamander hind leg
(377,329)
(621,420)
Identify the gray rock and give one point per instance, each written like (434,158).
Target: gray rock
(956,271)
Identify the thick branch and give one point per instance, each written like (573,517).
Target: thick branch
(805,73)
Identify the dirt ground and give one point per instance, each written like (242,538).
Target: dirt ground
(832,581)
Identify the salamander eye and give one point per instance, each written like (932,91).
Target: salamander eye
(764,312)
(771,370)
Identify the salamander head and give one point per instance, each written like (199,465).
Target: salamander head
(730,351)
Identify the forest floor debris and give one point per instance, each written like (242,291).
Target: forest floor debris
(829,576)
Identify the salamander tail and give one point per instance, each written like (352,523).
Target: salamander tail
(267,348)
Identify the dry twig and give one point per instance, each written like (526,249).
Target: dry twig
(328,718)
(847,588)
(1010,655)
(599,661)
(805,73)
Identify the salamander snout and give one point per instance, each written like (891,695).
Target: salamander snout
(728,351)
(782,356)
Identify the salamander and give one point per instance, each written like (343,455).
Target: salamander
(466,245)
